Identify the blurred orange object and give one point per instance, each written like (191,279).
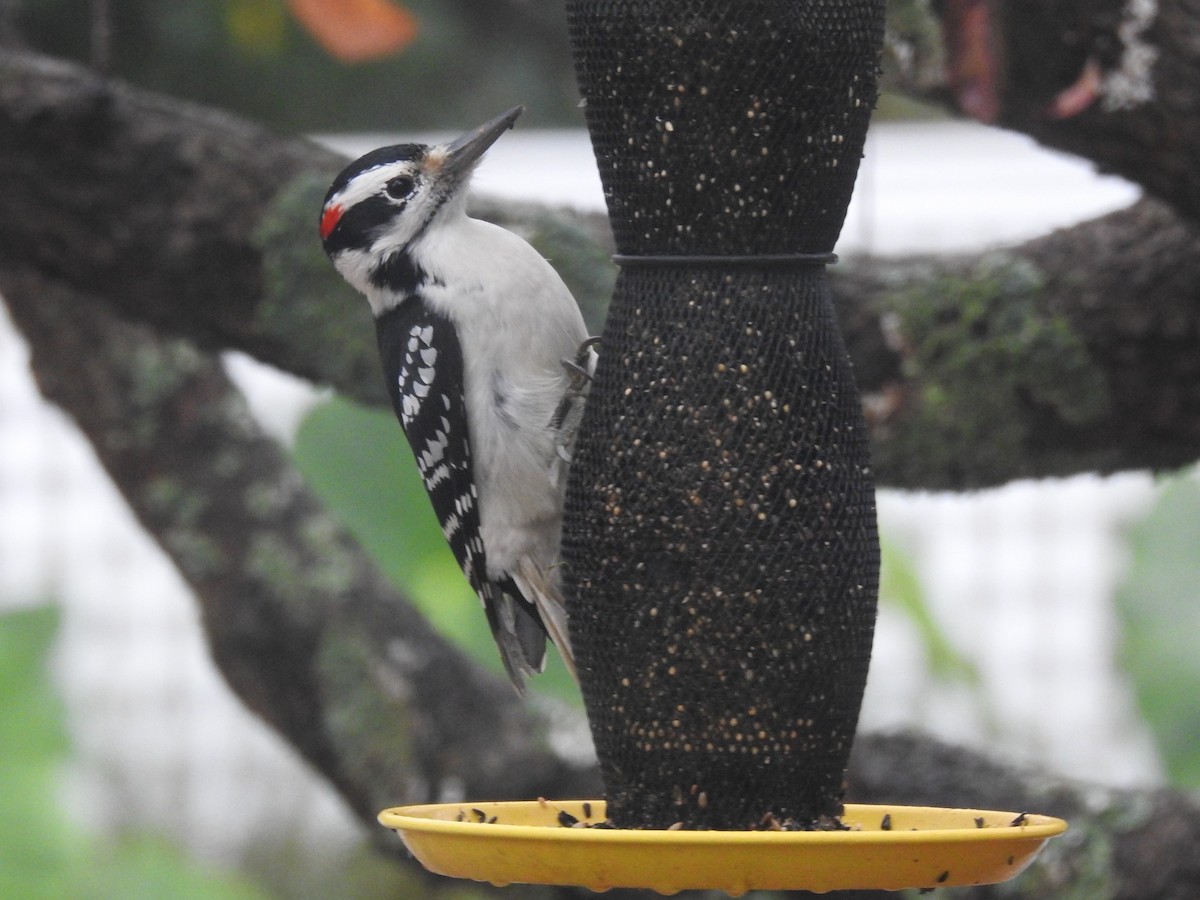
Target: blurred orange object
(356,30)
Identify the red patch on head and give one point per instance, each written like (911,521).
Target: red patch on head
(329,220)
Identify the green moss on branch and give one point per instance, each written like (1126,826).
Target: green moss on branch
(993,376)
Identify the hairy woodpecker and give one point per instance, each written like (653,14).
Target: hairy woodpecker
(487,360)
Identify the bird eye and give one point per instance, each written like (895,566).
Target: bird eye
(399,187)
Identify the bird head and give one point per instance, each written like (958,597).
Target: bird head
(380,205)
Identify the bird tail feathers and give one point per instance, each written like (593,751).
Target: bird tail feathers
(543,592)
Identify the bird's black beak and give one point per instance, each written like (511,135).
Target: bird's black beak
(462,154)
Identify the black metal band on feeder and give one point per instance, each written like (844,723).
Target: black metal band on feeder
(720,541)
(761,260)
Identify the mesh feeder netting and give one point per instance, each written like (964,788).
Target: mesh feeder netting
(720,541)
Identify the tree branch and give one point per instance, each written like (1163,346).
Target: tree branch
(1109,80)
(1074,352)
(1077,352)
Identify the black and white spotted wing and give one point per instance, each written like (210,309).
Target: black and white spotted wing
(422,362)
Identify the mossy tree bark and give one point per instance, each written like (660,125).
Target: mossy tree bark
(1074,352)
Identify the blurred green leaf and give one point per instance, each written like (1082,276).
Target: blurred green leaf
(30,713)
(42,852)
(146,866)
(900,583)
(257,27)
(359,464)
(1159,606)
(35,842)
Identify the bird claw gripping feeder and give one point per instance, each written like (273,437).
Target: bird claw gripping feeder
(720,545)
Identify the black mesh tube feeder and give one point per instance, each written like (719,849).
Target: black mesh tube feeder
(720,545)
(720,538)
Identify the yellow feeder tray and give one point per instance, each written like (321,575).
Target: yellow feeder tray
(887,848)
